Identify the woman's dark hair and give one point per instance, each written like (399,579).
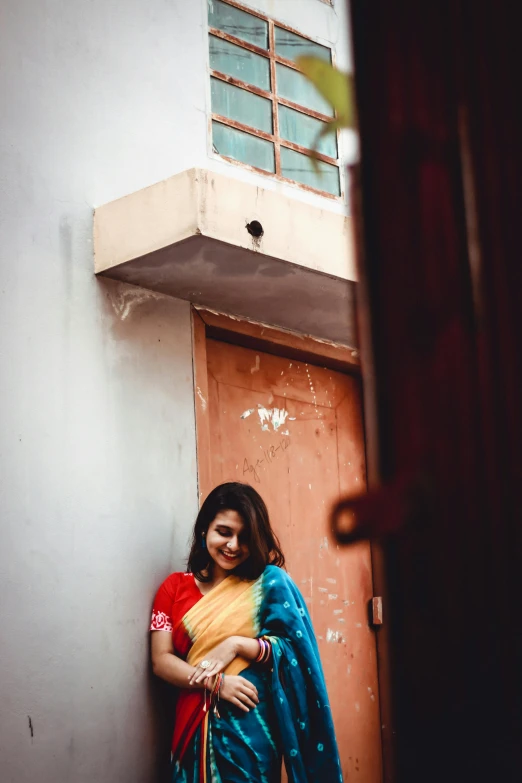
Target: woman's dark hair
(261,540)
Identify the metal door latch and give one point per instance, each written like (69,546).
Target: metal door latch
(376,610)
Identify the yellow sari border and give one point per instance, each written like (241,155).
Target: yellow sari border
(229,609)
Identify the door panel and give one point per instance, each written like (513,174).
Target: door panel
(294,431)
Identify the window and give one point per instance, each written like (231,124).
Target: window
(265,114)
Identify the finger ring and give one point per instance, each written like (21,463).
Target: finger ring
(204,664)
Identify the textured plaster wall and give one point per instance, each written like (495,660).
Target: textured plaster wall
(98,477)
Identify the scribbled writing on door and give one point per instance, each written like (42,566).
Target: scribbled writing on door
(270,454)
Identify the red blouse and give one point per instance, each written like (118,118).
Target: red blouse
(176,595)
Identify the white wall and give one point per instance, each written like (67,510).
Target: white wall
(98,483)
(97,425)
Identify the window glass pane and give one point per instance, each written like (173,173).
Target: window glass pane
(241,105)
(243,147)
(293,86)
(289,45)
(304,130)
(240,63)
(301,169)
(238,23)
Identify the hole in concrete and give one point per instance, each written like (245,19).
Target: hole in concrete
(255,229)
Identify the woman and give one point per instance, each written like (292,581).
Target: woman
(234,635)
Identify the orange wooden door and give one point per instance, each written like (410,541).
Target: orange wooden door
(294,431)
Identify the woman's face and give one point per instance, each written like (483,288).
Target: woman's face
(225,540)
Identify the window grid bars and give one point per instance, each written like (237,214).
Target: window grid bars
(274,137)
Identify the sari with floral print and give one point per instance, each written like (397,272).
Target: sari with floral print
(291,721)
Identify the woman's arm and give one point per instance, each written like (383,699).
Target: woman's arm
(223,654)
(245,647)
(168,666)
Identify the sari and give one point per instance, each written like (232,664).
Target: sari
(292,720)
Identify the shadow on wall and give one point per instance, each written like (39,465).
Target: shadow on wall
(161,700)
(150,389)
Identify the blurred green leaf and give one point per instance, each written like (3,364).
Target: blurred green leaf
(335,86)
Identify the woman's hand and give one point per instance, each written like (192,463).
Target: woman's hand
(218,658)
(239,691)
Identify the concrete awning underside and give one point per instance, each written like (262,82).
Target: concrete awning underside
(186,237)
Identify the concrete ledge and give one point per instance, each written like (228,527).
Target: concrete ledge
(187,237)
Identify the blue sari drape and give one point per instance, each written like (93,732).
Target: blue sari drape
(299,691)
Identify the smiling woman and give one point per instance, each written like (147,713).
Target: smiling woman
(233,520)
(234,635)
(225,541)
